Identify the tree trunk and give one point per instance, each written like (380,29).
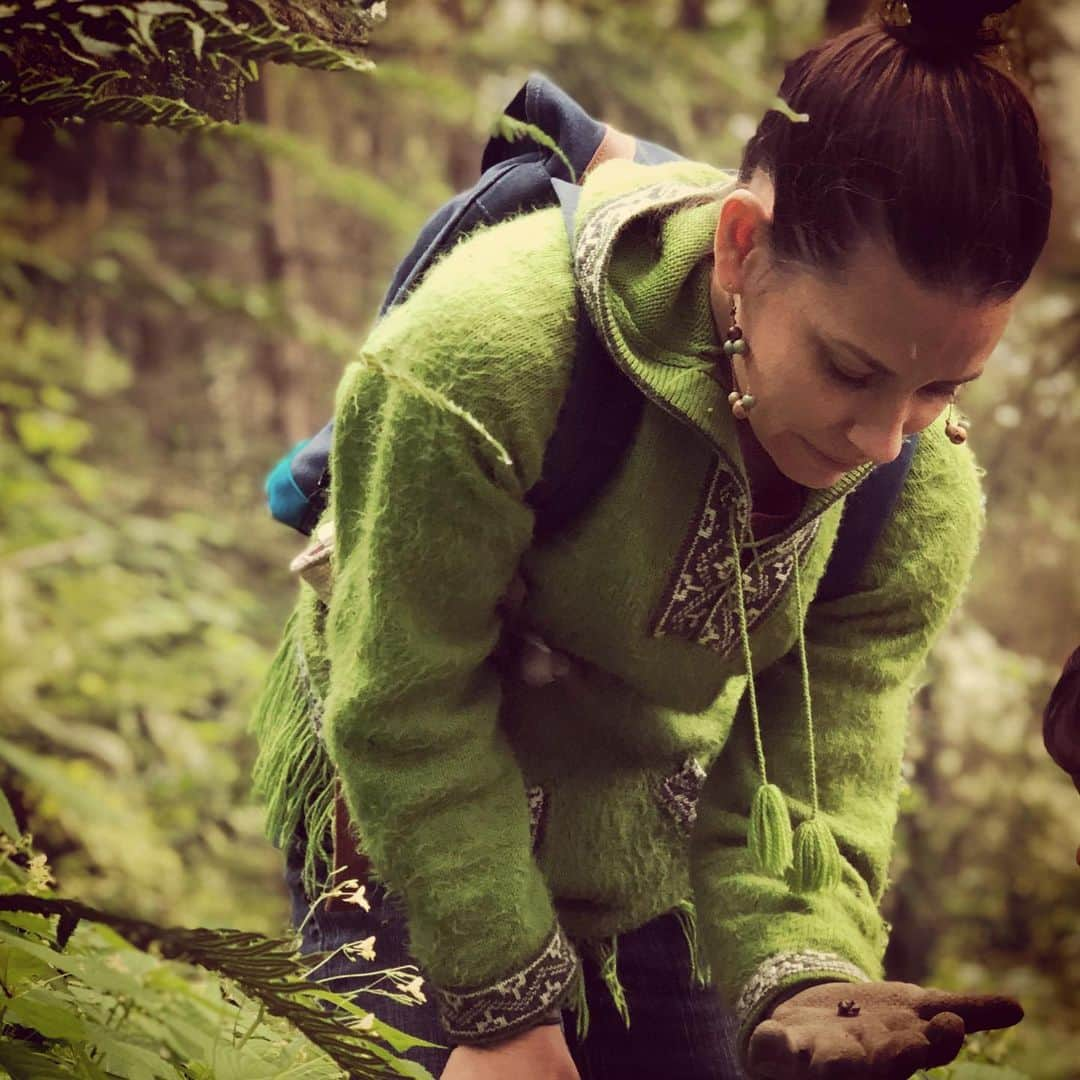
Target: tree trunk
(692,15)
(280,362)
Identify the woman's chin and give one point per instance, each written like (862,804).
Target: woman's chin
(806,465)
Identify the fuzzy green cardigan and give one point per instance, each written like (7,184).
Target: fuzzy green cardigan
(521,824)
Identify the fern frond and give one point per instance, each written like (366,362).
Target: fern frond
(265,969)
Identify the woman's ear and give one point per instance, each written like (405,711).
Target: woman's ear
(743,226)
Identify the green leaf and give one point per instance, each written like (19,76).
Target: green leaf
(198,36)
(27,1064)
(125,1058)
(781,106)
(43,431)
(513,130)
(45,1013)
(94,46)
(144,28)
(161,7)
(8,824)
(971,1070)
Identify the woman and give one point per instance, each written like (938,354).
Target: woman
(664,855)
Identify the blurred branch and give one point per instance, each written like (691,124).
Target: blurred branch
(182,62)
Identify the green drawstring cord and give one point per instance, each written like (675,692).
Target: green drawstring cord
(817,864)
(769,839)
(809,858)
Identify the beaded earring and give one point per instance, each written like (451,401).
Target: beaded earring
(736,345)
(956,431)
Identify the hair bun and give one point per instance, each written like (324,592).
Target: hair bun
(949,29)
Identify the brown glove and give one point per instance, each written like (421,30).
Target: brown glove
(879,1030)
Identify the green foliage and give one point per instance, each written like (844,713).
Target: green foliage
(54,53)
(90,994)
(63,99)
(506,127)
(986,802)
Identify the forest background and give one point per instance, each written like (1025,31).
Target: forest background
(191,247)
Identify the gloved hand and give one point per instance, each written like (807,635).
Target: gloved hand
(872,1031)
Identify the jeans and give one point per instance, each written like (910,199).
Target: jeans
(678,1031)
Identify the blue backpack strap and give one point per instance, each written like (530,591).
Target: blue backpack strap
(866,512)
(599,415)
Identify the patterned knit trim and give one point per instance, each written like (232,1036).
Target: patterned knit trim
(679,793)
(593,248)
(538,806)
(515,1002)
(699,602)
(785,971)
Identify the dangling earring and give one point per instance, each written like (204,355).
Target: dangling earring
(958,431)
(736,345)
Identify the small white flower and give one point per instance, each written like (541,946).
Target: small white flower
(358,898)
(364,949)
(412,988)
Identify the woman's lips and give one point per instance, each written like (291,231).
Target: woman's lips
(831,460)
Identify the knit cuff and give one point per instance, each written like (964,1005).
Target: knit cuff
(517,1002)
(780,977)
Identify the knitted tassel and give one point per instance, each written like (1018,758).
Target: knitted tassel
(816,865)
(686,912)
(816,858)
(292,771)
(770,840)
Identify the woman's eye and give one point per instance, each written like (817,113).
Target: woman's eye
(941,391)
(849,380)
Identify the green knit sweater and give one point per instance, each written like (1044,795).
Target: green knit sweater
(520,824)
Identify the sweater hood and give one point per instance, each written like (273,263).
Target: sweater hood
(643,260)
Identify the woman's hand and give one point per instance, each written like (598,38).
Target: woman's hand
(522,654)
(540,1053)
(880,1030)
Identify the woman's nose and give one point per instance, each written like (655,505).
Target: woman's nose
(879,435)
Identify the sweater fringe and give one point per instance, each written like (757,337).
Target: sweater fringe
(605,954)
(292,771)
(700,972)
(578,1004)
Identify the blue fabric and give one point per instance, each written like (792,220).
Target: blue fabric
(287,502)
(867,511)
(678,1030)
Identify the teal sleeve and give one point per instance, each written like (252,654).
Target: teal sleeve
(865,654)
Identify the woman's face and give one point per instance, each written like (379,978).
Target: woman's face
(843,369)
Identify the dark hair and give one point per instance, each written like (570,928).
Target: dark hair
(917,134)
(1061,720)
